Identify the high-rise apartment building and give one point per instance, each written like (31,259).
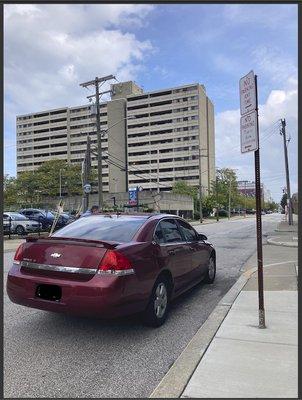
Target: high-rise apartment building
(150,139)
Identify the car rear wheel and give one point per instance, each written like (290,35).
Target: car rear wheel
(158,307)
(20,230)
(211,273)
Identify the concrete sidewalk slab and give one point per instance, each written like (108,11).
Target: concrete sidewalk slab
(245,369)
(273,301)
(277,241)
(243,361)
(242,324)
(273,283)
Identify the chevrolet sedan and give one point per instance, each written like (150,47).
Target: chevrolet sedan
(112,265)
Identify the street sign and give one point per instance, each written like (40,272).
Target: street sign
(247,90)
(133,196)
(87,188)
(249,132)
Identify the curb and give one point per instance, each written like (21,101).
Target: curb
(285,244)
(176,379)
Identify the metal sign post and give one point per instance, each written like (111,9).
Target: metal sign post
(249,133)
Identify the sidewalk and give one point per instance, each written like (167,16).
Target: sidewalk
(221,219)
(229,356)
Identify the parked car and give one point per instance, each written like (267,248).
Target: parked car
(44,217)
(20,224)
(64,219)
(112,265)
(223,213)
(6,225)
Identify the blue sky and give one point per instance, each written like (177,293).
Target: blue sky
(56,47)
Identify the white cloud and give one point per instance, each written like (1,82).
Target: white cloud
(268,15)
(56,47)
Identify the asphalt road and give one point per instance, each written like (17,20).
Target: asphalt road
(55,356)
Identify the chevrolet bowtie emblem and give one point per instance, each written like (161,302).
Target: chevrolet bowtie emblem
(55,255)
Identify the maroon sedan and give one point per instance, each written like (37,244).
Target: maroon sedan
(112,265)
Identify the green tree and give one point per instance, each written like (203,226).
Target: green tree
(181,187)
(9,191)
(27,184)
(225,184)
(49,178)
(271,205)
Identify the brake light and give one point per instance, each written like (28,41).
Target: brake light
(19,254)
(115,263)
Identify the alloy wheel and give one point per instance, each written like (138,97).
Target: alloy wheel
(161,300)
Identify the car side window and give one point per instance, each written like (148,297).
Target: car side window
(158,235)
(187,231)
(171,231)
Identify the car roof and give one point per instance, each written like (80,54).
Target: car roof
(156,216)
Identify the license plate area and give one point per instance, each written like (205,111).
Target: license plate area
(49,292)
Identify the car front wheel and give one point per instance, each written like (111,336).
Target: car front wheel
(20,230)
(158,307)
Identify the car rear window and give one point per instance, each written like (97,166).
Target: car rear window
(120,229)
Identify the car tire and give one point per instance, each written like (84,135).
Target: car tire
(157,310)
(20,230)
(211,272)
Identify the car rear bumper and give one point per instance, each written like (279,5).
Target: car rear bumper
(100,296)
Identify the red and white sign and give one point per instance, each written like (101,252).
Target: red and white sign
(247,90)
(248,132)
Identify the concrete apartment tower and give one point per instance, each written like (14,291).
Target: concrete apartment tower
(117,136)
(151,139)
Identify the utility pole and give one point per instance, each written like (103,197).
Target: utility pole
(217,208)
(244,199)
(230,197)
(86,172)
(96,83)
(289,203)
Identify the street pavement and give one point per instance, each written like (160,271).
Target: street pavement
(52,355)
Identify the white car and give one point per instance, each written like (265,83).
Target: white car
(19,224)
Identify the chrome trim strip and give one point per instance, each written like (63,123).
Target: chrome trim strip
(122,272)
(58,268)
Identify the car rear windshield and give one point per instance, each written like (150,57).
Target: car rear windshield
(119,229)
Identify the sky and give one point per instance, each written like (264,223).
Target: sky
(50,49)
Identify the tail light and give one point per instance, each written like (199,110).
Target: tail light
(19,254)
(115,263)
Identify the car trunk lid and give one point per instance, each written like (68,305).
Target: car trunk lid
(63,257)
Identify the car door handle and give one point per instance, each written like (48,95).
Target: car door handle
(172,252)
(192,248)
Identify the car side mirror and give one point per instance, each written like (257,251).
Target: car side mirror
(201,236)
